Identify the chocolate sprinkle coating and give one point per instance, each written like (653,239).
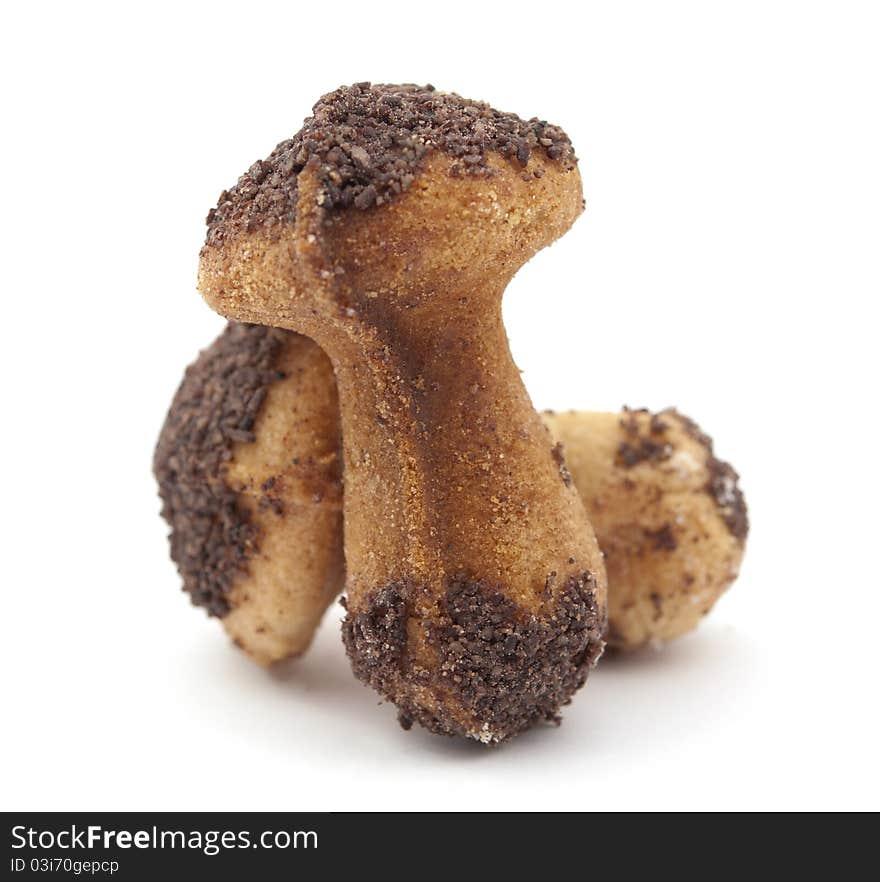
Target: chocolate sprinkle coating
(652,448)
(212,537)
(662,539)
(724,487)
(723,484)
(504,666)
(558,454)
(368,144)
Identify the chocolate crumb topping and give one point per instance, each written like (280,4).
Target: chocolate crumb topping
(502,666)
(723,483)
(662,539)
(377,636)
(658,425)
(642,448)
(558,453)
(657,603)
(629,455)
(724,486)
(212,536)
(368,143)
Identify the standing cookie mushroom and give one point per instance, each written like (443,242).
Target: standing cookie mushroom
(387,230)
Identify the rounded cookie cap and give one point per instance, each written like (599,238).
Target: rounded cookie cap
(369,142)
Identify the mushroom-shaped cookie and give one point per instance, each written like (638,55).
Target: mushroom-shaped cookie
(249,471)
(669,515)
(387,231)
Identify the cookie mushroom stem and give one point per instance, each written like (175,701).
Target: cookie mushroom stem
(476,590)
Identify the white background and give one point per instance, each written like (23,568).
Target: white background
(727,263)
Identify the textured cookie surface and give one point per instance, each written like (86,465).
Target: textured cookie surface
(670,517)
(508,668)
(668,512)
(368,144)
(215,408)
(249,471)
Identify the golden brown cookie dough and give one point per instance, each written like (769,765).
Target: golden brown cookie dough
(670,517)
(387,230)
(249,470)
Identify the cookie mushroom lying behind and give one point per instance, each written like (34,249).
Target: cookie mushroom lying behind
(387,230)
(249,471)
(669,515)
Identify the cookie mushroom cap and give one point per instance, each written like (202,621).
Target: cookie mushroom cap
(249,465)
(671,517)
(367,144)
(486,191)
(387,230)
